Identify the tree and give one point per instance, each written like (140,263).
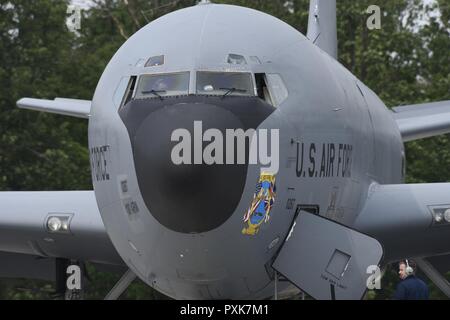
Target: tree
(38,151)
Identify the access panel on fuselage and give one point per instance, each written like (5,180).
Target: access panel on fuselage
(328,260)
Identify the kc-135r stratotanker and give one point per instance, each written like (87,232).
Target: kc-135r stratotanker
(333,208)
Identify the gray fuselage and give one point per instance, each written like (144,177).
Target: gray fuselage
(336,138)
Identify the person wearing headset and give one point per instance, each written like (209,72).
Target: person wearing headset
(410,286)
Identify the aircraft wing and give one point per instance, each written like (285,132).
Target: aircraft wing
(423,120)
(412,221)
(409,220)
(63,106)
(332,261)
(24,231)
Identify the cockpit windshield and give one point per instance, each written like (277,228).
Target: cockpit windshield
(225,83)
(161,85)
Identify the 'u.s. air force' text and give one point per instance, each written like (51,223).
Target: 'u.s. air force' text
(324,160)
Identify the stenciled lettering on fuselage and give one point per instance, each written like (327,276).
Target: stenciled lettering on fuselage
(324,160)
(99,163)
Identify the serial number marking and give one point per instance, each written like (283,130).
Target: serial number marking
(99,163)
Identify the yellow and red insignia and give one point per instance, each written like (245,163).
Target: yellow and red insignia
(263,199)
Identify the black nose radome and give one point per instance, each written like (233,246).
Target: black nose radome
(188,198)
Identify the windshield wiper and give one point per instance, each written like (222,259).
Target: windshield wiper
(155,92)
(231,90)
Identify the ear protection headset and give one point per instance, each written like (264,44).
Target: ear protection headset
(409,271)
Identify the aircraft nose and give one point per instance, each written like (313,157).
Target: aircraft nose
(187,198)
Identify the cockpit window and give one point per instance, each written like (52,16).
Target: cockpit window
(236,59)
(161,85)
(221,83)
(155,61)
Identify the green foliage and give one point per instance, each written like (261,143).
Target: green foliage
(39,151)
(100,283)
(403,62)
(25,290)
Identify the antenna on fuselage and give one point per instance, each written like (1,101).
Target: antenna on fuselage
(322,28)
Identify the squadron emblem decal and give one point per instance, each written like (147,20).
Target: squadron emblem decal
(263,199)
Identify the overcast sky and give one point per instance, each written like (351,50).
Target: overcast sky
(82,3)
